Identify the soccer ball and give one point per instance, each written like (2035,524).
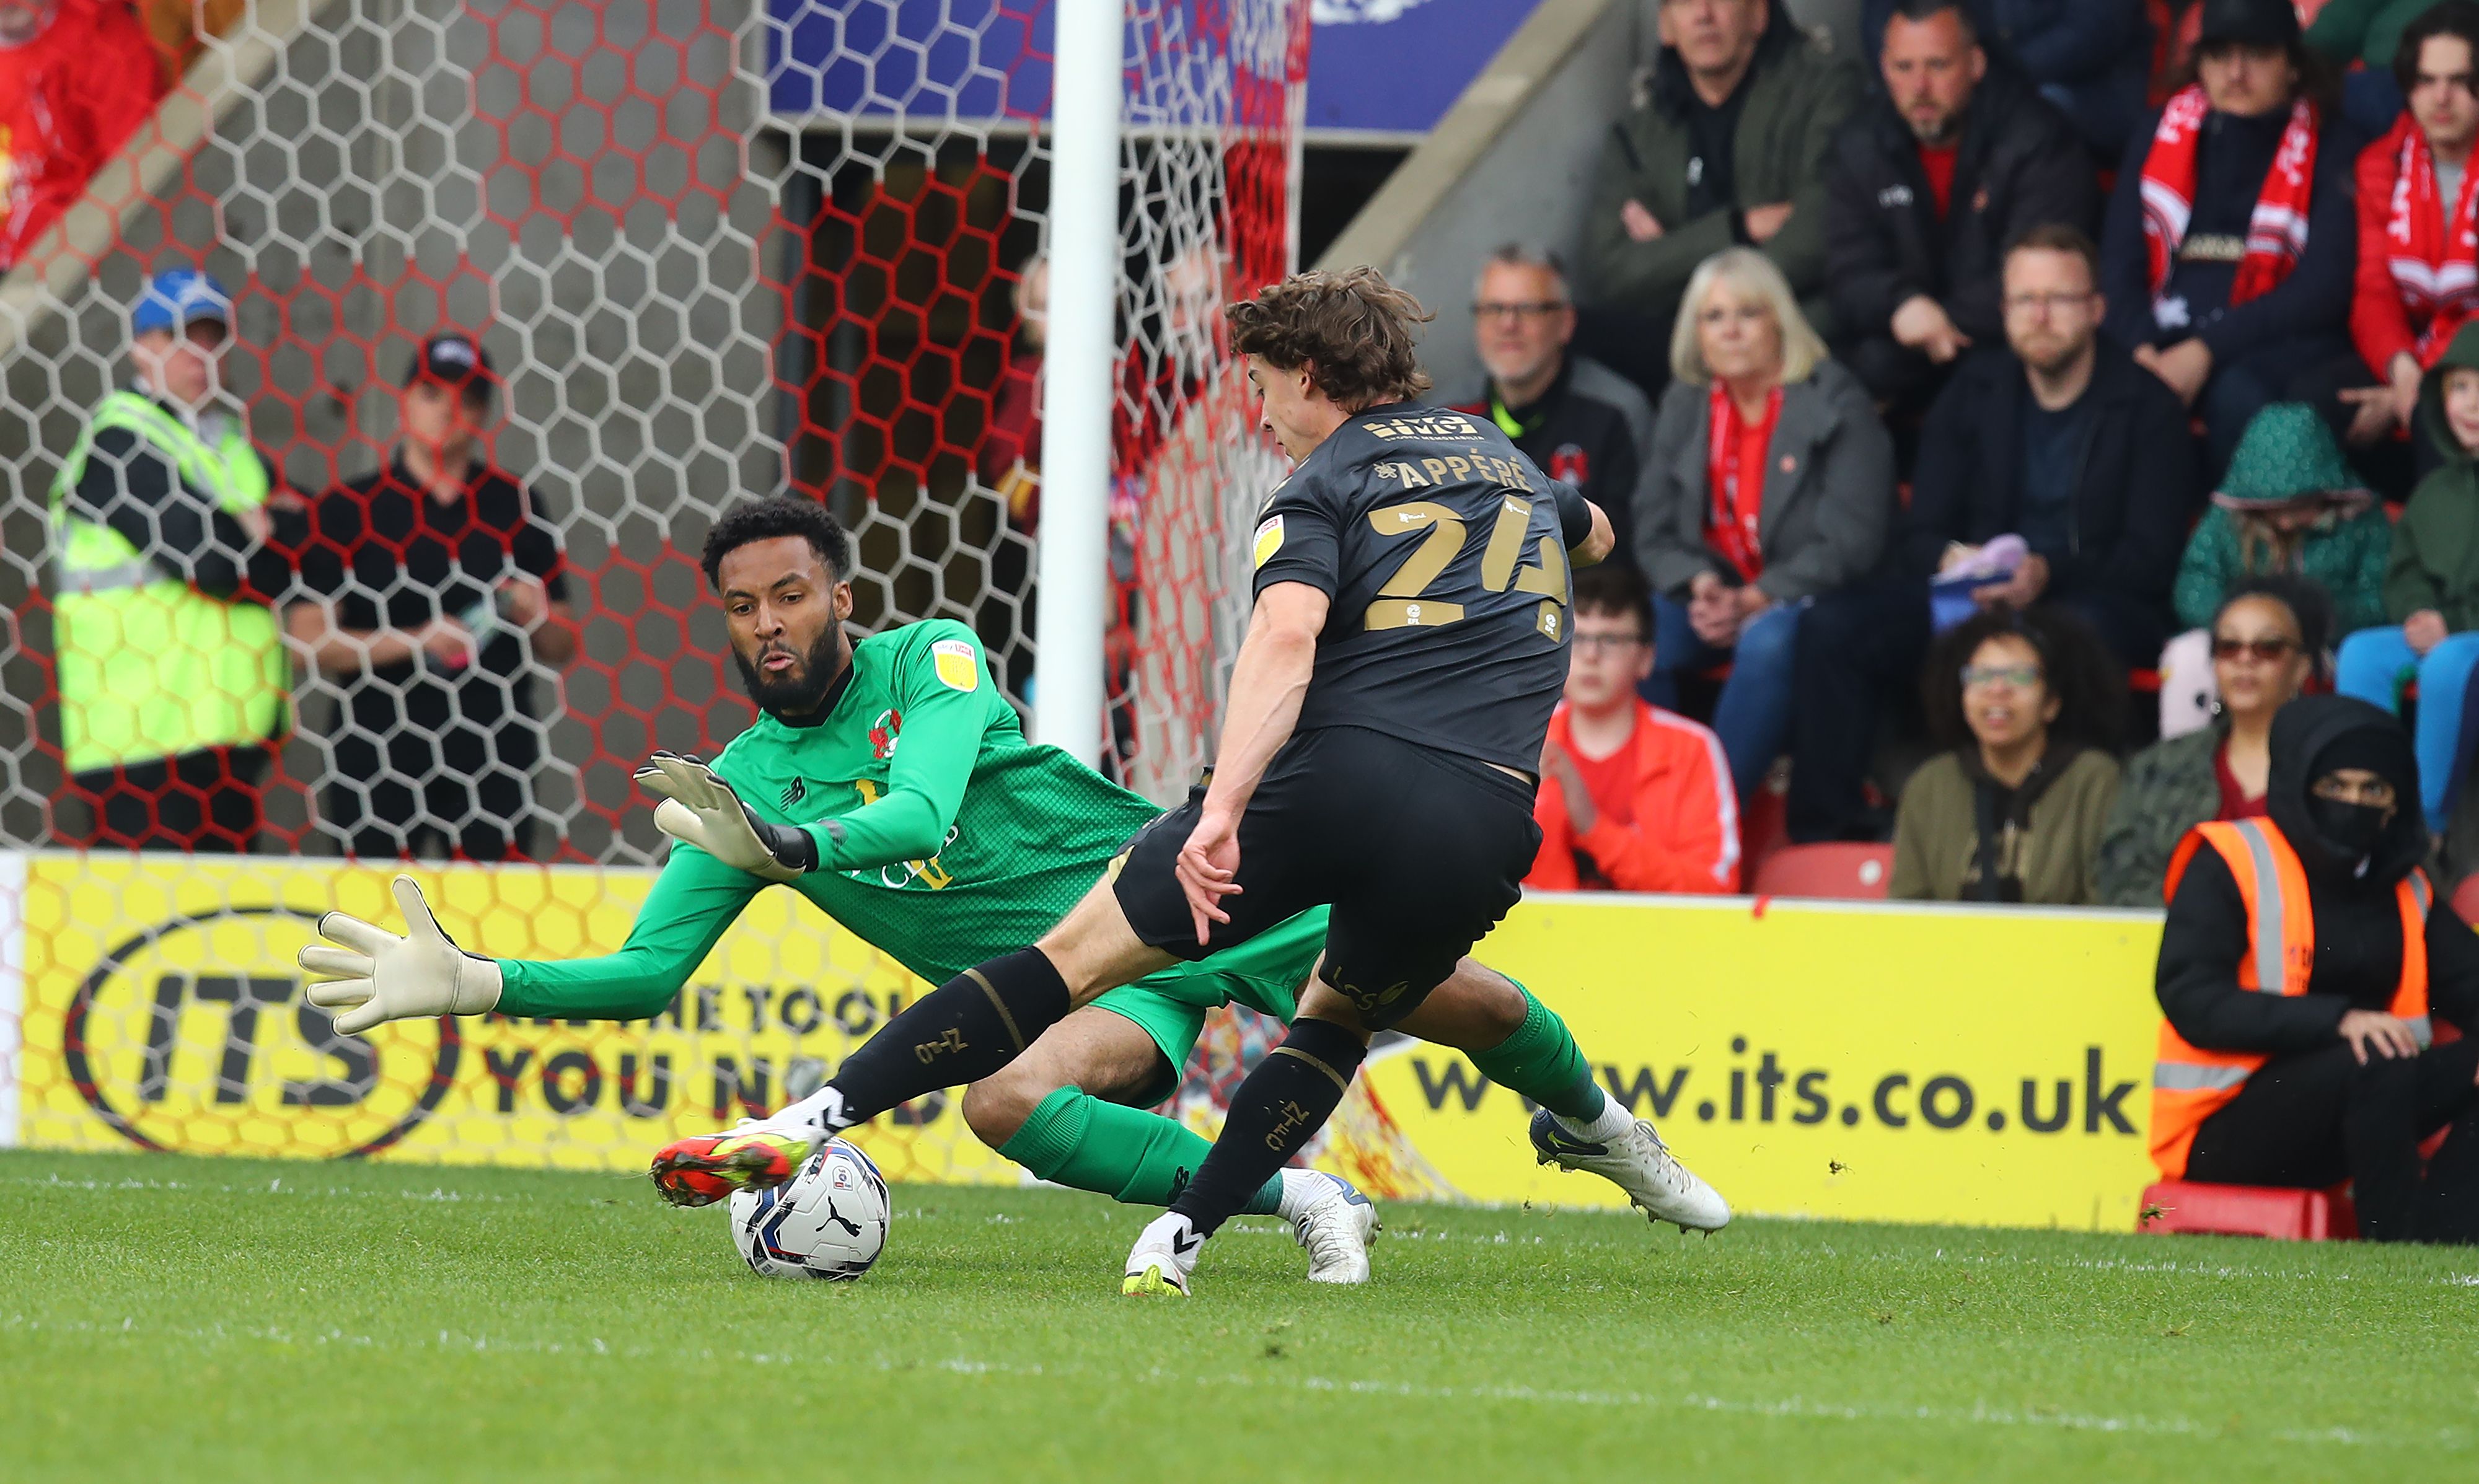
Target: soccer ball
(828,1221)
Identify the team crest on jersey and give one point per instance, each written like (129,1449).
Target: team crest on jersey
(959,668)
(1269,538)
(883,731)
(1570,464)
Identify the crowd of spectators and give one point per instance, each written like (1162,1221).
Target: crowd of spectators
(2050,349)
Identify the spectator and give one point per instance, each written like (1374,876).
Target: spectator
(1632,798)
(1771,484)
(1008,459)
(2289,505)
(77,77)
(1729,148)
(2368,32)
(2267,640)
(2432,591)
(2231,242)
(2419,274)
(1926,187)
(173,679)
(181,29)
(2311,1063)
(1571,414)
(437,586)
(2056,437)
(2089,58)
(2026,705)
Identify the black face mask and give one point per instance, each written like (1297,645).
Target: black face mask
(2356,828)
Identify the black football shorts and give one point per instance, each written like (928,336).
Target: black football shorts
(1418,853)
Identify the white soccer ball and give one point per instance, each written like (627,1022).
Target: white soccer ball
(828,1221)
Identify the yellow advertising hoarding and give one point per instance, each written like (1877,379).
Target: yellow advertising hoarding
(1917,1064)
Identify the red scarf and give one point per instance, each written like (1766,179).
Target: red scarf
(2436,270)
(1734,474)
(2276,232)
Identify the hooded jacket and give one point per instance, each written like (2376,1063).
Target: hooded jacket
(1797,93)
(2435,561)
(2358,922)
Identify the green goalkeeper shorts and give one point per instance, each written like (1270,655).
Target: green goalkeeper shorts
(1263,974)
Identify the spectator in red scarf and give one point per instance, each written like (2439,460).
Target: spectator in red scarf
(2232,239)
(76,78)
(2418,253)
(1770,483)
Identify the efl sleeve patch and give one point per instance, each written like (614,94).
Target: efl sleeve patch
(959,667)
(1269,538)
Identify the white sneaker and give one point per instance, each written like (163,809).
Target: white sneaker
(1638,1163)
(1332,1220)
(1163,1256)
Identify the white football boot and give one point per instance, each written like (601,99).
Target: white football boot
(1163,1256)
(1332,1220)
(1637,1162)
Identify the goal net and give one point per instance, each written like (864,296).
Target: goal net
(709,250)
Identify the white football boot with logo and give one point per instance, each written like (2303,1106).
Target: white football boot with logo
(1332,1220)
(1634,1159)
(1163,1256)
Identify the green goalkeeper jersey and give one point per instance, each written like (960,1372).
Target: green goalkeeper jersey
(944,837)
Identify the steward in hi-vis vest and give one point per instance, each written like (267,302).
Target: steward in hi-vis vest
(172,674)
(2304,968)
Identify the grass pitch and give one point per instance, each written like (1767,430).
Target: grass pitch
(166,1317)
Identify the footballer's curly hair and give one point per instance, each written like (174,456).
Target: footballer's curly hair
(1353,330)
(777,515)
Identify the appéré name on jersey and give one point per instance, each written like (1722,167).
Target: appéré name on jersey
(1455,469)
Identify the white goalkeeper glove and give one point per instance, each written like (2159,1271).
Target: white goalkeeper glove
(701,809)
(374,975)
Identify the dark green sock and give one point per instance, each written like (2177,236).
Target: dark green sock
(1125,1153)
(1542,1061)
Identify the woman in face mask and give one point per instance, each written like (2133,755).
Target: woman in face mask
(2304,962)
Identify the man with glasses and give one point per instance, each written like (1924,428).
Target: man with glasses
(1632,797)
(2055,437)
(1571,414)
(173,678)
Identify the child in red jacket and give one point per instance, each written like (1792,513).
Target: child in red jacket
(1632,797)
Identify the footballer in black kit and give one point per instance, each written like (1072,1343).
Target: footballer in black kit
(1404,796)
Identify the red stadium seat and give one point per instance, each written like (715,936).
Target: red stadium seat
(1838,872)
(2249,1211)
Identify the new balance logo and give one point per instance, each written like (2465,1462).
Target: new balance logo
(795,792)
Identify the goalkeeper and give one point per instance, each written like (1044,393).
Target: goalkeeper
(890,783)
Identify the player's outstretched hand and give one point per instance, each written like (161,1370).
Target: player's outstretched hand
(701,809)
(374,975)
(1209,870)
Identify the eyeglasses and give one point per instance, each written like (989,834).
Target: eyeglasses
(1538,309)
(2019,677)
(2265,649)
(1599,642)
(2045,303)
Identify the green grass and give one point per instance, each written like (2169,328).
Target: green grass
(178,1318)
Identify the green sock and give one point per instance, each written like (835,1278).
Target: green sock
(1125,1153)
(1542,1061)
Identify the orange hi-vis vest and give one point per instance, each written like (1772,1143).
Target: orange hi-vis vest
(2189,1084)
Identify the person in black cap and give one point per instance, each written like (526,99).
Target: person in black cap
(2305,959)
(2230,246)
(438,584)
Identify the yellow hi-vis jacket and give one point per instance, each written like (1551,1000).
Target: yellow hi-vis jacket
(150,667)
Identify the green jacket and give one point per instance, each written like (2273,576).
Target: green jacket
(1936,832)
(2369,31)
(2435,547)
(2347,556)
(1799,92)
(2170,787)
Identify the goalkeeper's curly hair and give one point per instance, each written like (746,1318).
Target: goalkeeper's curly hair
(777,515)
(1353,330)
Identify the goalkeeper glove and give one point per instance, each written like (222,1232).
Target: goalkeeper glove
(374,975)
(701,809)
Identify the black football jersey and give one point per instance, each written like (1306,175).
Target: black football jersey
(1441,547)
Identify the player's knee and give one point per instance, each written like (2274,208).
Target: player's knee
(996,1107)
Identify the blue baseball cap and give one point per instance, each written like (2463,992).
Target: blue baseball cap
(176,299)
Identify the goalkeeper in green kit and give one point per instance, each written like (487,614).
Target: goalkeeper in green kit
(889,782)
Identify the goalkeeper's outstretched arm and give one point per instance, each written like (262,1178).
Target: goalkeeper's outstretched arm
(373,975)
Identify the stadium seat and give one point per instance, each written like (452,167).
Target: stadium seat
(1839,873)
(2249,1211)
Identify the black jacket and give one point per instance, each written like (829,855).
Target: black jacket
(2231,162)
(2358,922)
(1593,428)
(2139,487)
(2017,166)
